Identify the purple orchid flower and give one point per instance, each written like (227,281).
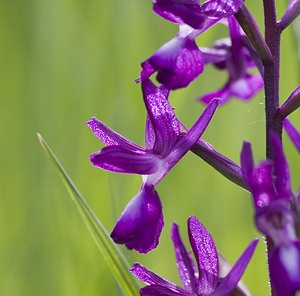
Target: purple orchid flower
(233,56)
(178,62)
(141,223)
(269,183)
(205,281)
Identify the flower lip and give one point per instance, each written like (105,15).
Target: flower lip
(177,63)
(141,222)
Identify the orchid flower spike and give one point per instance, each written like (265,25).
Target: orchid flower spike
(141,222)
(200,281)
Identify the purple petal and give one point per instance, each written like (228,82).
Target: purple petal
(222,94)
(178,62)
(184,12)
(214,55)
(284,265)
(229,283)
(162,118)
(262,186)
(292,132)
(192,135)
(206,254)
(281,170)
(246,86)
(119,160)
(141,223)
(183,145)
(277,221)
(150,136)
(110,137)
(237,52)
(221,8)
(185,264)
(151,278)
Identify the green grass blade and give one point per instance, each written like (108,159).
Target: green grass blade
(113,256)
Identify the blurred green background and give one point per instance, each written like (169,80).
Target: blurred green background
(63,61)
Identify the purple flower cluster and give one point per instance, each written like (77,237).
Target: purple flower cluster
(275,216)
(180,61)
(177,63)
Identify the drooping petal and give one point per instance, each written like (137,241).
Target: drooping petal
(151,278)
(110,137)
(119,160)
(184,12)
(221,8)
(206,255)
(229,283)
(164,123)
(177,63)
(141,223)
(281,170)
(292,132)
(284,266)
(185,264)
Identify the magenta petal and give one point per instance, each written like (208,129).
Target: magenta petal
(221,8)
(246,86)
(151,278)
(229,283)
(292,132)
(110,137)
(183,12)
(185,264)
(119,160)
(284,265)
(262,186)
(222,94)
(178,62)
(162,127)
(183,145)
(141,223)
(206,255)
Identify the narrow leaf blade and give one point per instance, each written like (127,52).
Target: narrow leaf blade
(113,256)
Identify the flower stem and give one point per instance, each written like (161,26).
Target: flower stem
(271,76)
(271,79)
